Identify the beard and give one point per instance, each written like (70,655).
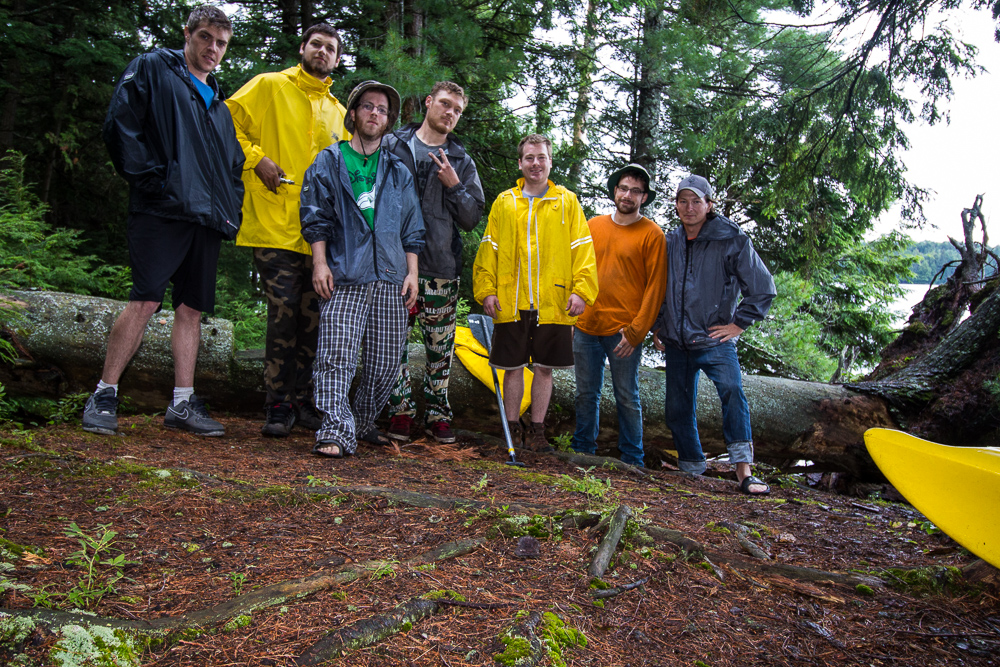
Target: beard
(626,207)
(320,72)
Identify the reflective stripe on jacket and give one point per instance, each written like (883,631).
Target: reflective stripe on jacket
(181,161)
(536,262)
(357,255)
(289,117)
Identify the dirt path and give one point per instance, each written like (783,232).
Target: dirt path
(241,513)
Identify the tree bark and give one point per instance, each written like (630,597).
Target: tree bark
(606,549)
(63,338)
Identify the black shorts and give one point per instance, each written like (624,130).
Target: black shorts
(162,251)
(515,344)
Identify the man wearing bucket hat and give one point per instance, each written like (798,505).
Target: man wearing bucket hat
(360,213)
(711,264)
(631,270)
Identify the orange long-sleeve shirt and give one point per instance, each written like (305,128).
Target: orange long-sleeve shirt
(632,275)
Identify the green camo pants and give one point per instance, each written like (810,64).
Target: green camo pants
(437,300)
(292,324)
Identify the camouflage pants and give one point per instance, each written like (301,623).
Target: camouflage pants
(437,300)
(292,324)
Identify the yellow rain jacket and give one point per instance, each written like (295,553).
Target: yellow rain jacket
(288,116)
(537,261)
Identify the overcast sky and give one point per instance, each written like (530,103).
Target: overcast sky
(962,159)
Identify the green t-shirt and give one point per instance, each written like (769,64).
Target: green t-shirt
(361,170)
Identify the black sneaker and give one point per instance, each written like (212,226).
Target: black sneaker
(307,416)
(100,412)
(441,431)
(191,415)
(279,421)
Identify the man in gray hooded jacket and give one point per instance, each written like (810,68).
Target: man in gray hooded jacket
(710,265)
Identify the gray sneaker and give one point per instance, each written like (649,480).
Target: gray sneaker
(99,412)
(191,415)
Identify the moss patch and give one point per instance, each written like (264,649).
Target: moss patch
(444,594)
(558,637)
(94,647)
(932,580)
(517,651)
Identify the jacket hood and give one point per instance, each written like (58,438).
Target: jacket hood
(716,228)
(453,146)
(308,82)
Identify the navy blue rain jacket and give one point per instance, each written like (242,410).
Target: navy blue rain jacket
(705,280)
(181,161)
(328,212)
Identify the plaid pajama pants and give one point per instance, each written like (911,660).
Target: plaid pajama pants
(437,301)
(371,317)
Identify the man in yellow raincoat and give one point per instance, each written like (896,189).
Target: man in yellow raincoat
(535,272)
(283,120)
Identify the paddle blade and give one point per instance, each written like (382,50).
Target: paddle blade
(481,327)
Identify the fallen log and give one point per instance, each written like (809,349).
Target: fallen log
(62,340)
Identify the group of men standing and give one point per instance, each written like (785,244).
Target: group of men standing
(355,231)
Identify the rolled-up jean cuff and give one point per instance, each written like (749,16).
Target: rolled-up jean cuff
(693,467)
(740,452)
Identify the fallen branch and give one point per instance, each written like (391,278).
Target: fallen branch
(609,544)
(367,632)
(601,594)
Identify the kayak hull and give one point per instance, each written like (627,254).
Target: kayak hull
(957,488)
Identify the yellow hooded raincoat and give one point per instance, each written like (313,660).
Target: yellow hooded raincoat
(537,261)
(288,116)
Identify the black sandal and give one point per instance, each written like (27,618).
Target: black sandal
(319,448)
(376,437)
(749,481)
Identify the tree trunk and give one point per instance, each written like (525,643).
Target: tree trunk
(585,57)
(650,91)
(62,339)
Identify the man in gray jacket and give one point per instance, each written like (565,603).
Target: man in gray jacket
(710,264)
(360,215)
(451,198)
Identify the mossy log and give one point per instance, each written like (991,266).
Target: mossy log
(609,543)
(61,339)
(523,648)
(368,631)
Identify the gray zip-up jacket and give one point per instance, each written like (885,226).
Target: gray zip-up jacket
(445,210)
(328,212)
(705,279)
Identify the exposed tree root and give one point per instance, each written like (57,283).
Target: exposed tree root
(367,632)
(603,594)
(268,596)
(606,549)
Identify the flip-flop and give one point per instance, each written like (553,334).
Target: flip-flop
(376,437)
(750,480)
(320,446)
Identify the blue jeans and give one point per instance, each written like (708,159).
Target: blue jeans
(722,368)
(589,353)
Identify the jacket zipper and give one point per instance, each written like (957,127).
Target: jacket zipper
(687,259)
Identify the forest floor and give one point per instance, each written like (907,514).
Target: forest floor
(203,522)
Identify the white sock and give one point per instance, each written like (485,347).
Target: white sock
(182,394)
(104,385)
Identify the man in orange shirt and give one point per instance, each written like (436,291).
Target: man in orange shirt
(632,273)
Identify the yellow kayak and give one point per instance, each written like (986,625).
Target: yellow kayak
(476,360)
(957,488)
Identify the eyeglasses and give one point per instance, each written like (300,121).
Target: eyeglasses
(636,192)
(368,107)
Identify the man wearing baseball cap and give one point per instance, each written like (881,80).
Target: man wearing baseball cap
(711,264)
(360,213)
(632,272)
